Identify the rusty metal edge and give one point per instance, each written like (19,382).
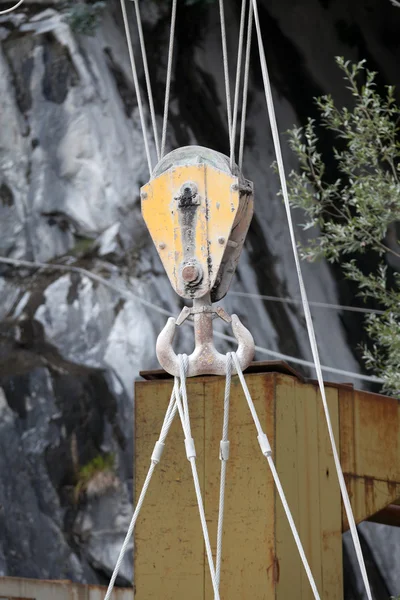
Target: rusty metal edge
(270,366)
(273,366)
(388,516)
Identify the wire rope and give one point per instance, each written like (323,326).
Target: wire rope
(309,322)
(169,76)
(136,84)
(147,77)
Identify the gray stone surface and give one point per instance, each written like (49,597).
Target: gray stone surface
(55,417)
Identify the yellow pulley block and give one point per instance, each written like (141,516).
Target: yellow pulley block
(198,213)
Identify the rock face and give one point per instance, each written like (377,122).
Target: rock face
(72,161)
(56,416)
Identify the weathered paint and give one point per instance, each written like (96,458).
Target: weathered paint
(305,464)
(370,451)
(196,231)
(260,557)
(16,588)
(169,556)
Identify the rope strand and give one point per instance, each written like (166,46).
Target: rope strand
(237,84)
(8,10)
(224,455)
(340,307)
(310,326)
(266,449)
(169,76)
(245,86)
(169,417)
(136,84)
(226,69)
(129,295)
(183,407)
(147,77)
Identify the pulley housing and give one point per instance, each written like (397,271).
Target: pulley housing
(198,213)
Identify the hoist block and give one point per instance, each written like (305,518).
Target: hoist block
(198,213)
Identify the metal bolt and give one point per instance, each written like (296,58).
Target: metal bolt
(143,195)
(190,273)
(221,240)
(162,245)
(189,188)
(234,187)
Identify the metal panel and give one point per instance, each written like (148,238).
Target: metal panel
(370,451)
(169,551)
(305,464)
(248,539)
(169,555)
(260,557)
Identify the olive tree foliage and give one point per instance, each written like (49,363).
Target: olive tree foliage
(357,212)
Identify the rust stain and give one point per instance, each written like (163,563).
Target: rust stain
(276,571)
(274,566)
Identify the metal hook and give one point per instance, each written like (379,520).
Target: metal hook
(205,359)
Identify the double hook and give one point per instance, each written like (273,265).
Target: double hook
(205,359)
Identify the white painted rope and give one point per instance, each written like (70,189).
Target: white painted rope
(155,459)
(224,456)
(226,69)
(328,305)
(147,77)
(237,84)
(306,307)
(9,10)
(169,76)
(136,84)
(267,452)
(129,295)
(245,86)
(183,408)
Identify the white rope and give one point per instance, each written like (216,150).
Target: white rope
(8,10)
(19,263)
(156,456)
(224,456)
(130,531)
(237,84)
(267,452)
(169,76)
(310,326)
(183,369)
(226,69)
(283,300)
(183,408)
(136,84)
(147,77)
(245,86)
(303,363)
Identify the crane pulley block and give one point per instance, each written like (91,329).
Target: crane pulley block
(198,213)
